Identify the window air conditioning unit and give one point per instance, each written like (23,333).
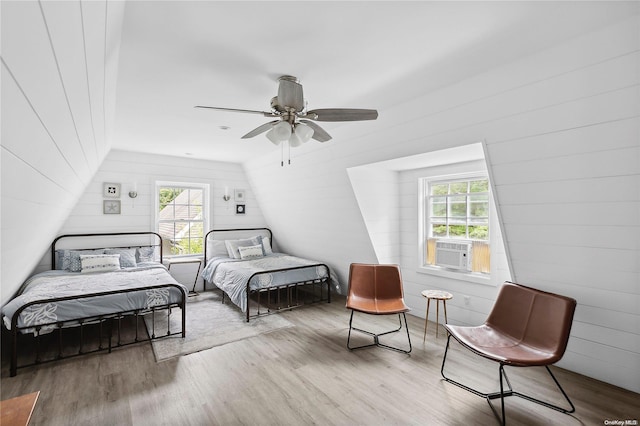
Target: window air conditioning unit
(454,255)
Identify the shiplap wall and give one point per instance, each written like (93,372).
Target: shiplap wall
(561,128)
(143,170)
(59,66)
(377,192)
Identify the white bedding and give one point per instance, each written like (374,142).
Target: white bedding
(231,275)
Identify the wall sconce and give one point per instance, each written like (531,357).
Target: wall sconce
(133,193)
(226,195)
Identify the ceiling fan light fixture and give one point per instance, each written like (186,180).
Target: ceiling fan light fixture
(272,137)
(282,131)
(295,141)
(303,132)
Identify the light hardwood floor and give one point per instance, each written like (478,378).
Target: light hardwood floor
(298,376)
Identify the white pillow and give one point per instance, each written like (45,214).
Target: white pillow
(251,252)
(233,245)
(266,245)
(99,262)
(216,248)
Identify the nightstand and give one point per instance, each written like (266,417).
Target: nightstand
(184,261)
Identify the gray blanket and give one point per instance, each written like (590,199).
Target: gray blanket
(56,284)
(231,275)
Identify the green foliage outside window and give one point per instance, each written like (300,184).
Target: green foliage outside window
(460,209)
(167,195)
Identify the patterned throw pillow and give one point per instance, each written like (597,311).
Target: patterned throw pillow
(127,256)
(99,262)
(74,258)
(251,252)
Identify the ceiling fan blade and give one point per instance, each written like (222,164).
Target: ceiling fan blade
(319,133)
(263,113)
(290,93)
(260,129)
(342,114)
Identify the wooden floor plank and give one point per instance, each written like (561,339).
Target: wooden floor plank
(300,375)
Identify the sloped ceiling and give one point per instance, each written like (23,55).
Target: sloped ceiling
(59,66)
(178,54)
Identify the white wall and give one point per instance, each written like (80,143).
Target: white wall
(137,214)
(58,75)
(561,128)
(378,199)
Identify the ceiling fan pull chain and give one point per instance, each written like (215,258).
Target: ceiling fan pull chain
(282,154)
(289,148)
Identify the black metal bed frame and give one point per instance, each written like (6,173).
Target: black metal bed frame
(293,298)
(112,320)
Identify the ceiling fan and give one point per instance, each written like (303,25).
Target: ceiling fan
(294,123)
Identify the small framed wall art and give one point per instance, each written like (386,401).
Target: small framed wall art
(239,195)
(241,209)
(111,190)
(111,206)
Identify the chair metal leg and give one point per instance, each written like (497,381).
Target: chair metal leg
(507,392)
(376,341)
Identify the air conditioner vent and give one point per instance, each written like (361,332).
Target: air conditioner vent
(454,255)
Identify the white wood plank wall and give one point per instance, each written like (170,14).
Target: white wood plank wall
(57,102)
(143,170)
(561,128)
(378,199)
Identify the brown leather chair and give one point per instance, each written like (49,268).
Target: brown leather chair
(376,290)
(526,327)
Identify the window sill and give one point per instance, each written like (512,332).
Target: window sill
(456,275)
(176,258)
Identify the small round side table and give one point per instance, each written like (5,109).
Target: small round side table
(437,295)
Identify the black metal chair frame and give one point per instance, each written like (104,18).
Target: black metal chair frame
(508,392)
(376,341)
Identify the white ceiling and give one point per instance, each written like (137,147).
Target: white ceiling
(178,54)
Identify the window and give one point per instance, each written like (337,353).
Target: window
(457,211)
(181,217)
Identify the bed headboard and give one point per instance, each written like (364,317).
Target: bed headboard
(111,240)
(235,234)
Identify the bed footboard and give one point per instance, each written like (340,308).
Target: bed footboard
(104,325)
(292,292)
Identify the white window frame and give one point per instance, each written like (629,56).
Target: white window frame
(423,227)
(205,187)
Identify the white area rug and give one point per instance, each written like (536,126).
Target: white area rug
(210,323)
